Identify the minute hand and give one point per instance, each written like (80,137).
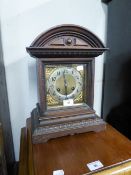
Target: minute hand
(65,84)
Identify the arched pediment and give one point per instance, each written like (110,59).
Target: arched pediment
(66,41)
(65,31)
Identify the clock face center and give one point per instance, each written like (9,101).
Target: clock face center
(65,85)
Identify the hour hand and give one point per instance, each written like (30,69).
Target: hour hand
(65,84)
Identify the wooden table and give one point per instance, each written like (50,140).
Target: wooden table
(3,168)
(72,153)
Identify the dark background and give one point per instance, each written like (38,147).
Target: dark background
(116,108)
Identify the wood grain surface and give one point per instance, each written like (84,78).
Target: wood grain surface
(23,163)
(72,153)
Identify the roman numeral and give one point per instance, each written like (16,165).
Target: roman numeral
(80,83)
(77,90)
(54,93)
(58,73)
(53,78)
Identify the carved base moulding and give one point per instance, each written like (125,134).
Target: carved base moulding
(44,130)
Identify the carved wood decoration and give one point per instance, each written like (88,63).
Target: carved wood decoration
(66,41)
(64,46)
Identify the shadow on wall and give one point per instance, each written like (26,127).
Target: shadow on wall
(120,116)
(5,116)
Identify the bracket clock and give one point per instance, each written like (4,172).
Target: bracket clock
(65,62)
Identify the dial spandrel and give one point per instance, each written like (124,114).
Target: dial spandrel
(64,82)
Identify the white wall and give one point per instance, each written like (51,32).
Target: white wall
(21,22)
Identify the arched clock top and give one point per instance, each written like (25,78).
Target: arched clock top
(67,31)
(66,41)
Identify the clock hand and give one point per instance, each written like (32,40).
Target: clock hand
(65,84)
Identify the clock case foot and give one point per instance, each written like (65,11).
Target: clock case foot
(44,129)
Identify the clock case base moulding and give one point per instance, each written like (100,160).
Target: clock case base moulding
(65,44)
(46,129)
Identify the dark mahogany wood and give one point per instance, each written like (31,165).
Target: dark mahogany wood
(89,83)
(65,44)
(65,52)
(72,153)
(59,45)
(67,30)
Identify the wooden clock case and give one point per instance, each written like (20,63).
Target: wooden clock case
(65,44)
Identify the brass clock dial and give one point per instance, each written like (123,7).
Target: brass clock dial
(64,82)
